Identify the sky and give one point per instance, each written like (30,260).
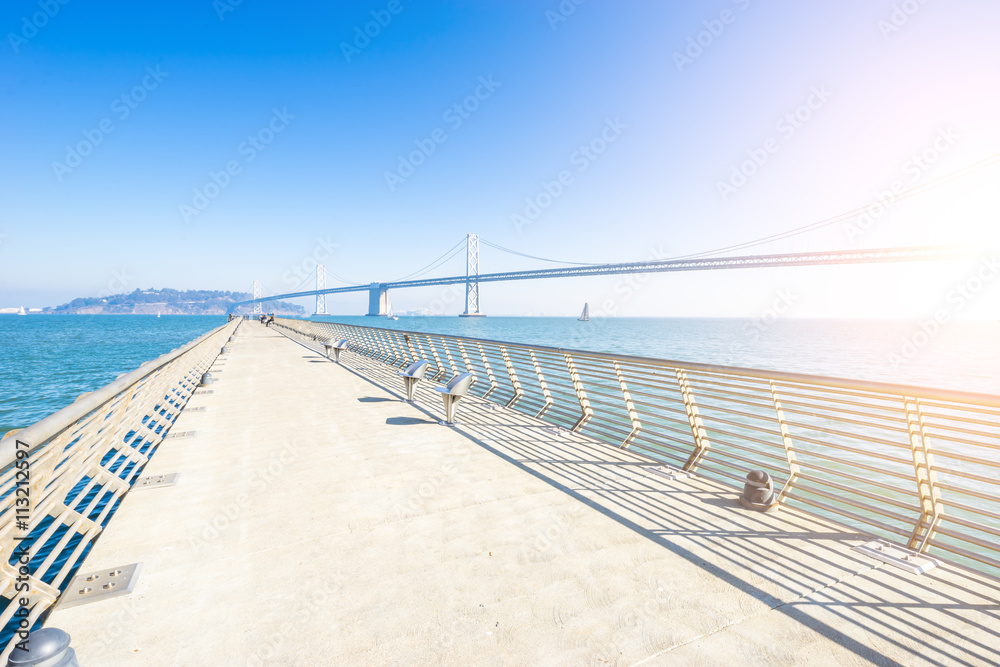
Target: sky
(204,144)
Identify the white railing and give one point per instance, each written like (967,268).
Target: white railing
(63,477)
(913,465)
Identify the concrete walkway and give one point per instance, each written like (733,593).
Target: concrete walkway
(318,520)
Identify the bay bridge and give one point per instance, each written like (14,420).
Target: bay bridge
(378,292)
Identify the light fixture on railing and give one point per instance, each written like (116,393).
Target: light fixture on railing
(758,492)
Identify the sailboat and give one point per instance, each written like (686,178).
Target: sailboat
(388,312)
(585,316)
(21,311)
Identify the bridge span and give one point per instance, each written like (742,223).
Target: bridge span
(378,299)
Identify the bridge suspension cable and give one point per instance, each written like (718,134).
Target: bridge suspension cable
(450,252)
(542,259)
(881,203)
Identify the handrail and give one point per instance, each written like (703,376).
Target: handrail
(62,477)
(977,398)
(914,465)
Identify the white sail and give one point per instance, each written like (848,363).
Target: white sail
(585,316)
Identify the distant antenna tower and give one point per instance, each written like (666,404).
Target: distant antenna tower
(256,298)
(320,285)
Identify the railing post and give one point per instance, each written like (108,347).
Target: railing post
(701,442)
(385,352)
(393,351)
(409,346)
(489,371)
(787,443)
(546,394)
(581,394)
(437,359)
(630,406)
(447,353)
(512,374)
(376,346)
(402,350)
(376,337)
(931,507)
(466,360)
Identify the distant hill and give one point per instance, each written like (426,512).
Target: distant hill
(167,302)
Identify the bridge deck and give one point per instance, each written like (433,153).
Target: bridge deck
(319,520)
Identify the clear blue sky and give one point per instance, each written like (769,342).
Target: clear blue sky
(199,79)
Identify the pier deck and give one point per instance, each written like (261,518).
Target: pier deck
(319,520)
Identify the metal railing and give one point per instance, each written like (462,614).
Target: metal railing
(916,466)
(62,478)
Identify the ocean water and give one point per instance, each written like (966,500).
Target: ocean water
(46,361)
(958,355)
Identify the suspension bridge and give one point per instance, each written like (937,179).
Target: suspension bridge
(378,292)
(719,258)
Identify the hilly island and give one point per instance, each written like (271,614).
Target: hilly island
(167,302)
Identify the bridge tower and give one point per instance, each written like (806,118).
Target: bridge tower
(321,285)
(378,300)
(256,298)
(472,278)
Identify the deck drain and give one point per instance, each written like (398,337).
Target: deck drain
(200,408)
(905,559)
(100,585)
(180,434)
(205,391)
(670,472)
(155,481)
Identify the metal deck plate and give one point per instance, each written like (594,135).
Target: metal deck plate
(200,408)
(205,391)
(155,481)
(180,434)
(100,585)
(906,559)
(669,472)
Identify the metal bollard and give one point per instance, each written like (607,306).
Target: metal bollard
(47,647)
(758,492)
(225,350)
(206,379)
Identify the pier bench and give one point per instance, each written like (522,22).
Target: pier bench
(453,392)
(412,375)
(337,347)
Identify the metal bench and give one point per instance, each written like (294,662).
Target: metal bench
(336,347)
(453,393)
(412,375)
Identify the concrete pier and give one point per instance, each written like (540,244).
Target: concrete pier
(319,520)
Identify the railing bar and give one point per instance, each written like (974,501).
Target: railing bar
(848,434)
(854,464)
(794,495)
(854,450)
(861,492)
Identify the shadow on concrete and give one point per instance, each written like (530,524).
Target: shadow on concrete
(407,421)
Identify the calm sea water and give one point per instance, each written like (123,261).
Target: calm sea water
(46,361)
(959,355)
